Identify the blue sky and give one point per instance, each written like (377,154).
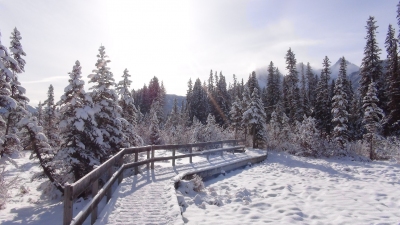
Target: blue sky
(176,40)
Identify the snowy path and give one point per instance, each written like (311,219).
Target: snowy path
(149,197)
(286,189)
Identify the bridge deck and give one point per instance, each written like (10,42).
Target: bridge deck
(148,198)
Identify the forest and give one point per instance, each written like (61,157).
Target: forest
(297,111)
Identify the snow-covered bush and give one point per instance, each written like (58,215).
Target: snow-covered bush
(198,184)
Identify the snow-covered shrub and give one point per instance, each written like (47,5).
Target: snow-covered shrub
(198,184)
(5,186)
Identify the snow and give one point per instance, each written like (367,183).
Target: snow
(284,189)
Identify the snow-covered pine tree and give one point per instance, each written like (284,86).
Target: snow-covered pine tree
(323,106)
(339,109)
(254,118)
(271,98)
(392,121)
(371,68)
(80,148)
(50,120)
(42,150)
(372,119)
(253,82)
(107,110)
(223,101)
(126,101)
(198,104)
(6,101)
(308,137)
(245,104)
(311,85)
(355,128)
(155,138)
(39,113)
(236,114)
(292,92)
(304,103)
(212,130)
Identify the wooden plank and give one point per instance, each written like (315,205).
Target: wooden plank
(190,157)
(152,156)
(95,190)
(84,213)
(82,184)
(136,159)
(109,175)
(173,157)
(148,157)
(68,201)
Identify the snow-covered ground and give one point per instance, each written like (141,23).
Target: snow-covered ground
(286,189)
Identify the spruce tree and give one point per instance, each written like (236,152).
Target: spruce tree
(372,118)
(311,86)
(323,106)
(126,101)
(105,103)
(339,108)
(293,92)
(270,94)
(223,101)
(371,68)
(81,140)
(254,118)
(155,138)
(236,114)
(304,105)
(198,103)
(50,119)
(392,121)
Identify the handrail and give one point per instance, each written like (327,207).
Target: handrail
(72,191)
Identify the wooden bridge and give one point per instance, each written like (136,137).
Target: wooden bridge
(91,180)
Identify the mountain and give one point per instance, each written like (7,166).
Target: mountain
(169,102)
(353,72)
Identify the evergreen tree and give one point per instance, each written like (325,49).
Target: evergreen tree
(126,101)
(311,86)
(253,82)
(236,114)
(254,118)
(42,150)
(270,94)
(198,103)
(155,138)
(372,118)
(81,140)
(292,92)
(371,68)
(339,108)
(50,120)
(223,101)
(355,118)
(105,102)
(323,106)
(392,121)
(303,93)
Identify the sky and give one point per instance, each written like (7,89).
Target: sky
(178,40)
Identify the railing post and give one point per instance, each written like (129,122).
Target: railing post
(152,157)
(120,164)
(190,151)
(136,159)
(95,189)
(109,175)
(148,157)
(68,204)
(173,159)
(208,156)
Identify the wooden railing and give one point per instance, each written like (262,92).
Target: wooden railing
(91,180)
